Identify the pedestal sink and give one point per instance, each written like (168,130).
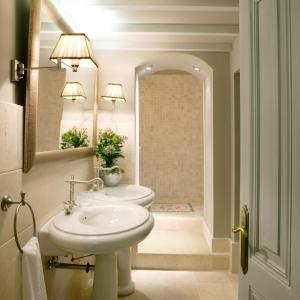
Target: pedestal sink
(102,231)
(125,194)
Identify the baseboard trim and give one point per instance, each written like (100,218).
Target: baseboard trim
(207,235)
(235,257)
(204,262)
(216,245)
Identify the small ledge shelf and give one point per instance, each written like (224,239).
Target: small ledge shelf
(65,154)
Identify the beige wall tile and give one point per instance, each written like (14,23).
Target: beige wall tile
(11,184)
(46,190)
(45,183)
(171,136)
(10,286)
(11,136)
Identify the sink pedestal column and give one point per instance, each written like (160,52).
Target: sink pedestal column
(125,284)
(105,278)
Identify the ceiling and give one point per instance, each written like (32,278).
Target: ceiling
(166,25)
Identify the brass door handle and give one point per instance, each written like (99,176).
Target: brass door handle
(243,229)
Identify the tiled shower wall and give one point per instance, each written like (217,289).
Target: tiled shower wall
(171,136)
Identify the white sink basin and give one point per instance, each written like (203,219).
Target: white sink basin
(101,229)
(102,220)
(125,193)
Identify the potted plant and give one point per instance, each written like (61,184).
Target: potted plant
(109,150)
(74,138)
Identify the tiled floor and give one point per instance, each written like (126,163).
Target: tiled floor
(176,233)
(177,242)
(180,233)
(174,242)
(183,285)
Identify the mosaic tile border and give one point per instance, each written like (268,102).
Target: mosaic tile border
(172,207)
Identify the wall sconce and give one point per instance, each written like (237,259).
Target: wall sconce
(73,91)
(72,49)
(114,92)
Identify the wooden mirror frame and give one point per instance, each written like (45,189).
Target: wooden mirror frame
(30,156)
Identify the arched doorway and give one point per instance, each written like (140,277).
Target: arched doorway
(196,67)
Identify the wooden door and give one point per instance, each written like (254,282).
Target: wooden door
(270,147)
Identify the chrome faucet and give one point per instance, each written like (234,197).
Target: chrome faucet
(97,184)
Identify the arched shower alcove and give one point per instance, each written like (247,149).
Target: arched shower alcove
(186,63)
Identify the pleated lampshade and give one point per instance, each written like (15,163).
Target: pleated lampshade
(74,49)
(73,91)
(114,92)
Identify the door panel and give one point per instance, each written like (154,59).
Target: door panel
(266,76)
(271,155)
(266,147)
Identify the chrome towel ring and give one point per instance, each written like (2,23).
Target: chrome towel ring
(6,203)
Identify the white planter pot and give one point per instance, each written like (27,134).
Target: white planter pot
(112,179)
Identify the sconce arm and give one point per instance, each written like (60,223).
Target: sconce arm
(18,69)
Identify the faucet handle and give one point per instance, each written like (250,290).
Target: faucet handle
(71,180)
(68,207)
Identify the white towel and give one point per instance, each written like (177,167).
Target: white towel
(33,283)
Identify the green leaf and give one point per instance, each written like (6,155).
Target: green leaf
(109,147)
(74,138)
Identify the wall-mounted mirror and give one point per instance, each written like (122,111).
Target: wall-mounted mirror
(61,106)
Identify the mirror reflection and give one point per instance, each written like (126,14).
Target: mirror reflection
(65,99)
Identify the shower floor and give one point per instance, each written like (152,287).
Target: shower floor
(177,230)
(177,242)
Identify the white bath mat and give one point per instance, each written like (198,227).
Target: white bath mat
(172,207)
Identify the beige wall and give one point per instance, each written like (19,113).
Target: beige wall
(50,109)
(120,66)
(219,220)
(13,44)
(171,136)
(235,127)
(79,114)
(45,190)
(44,184)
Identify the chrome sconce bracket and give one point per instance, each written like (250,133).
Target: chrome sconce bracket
(17,69)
